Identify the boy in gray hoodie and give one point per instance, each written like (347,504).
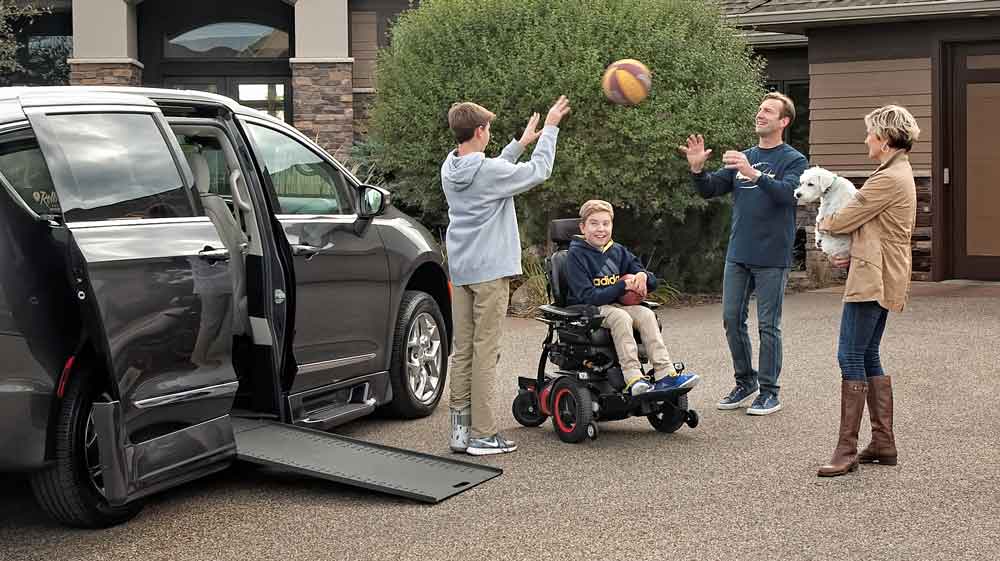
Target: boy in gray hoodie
(484,249)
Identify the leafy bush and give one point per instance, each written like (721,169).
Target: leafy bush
(516,56)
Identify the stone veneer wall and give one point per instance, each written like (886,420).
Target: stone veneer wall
(323,104)
(105,74)
(362,111)
(820,273)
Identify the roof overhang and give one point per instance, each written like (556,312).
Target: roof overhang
(798,21)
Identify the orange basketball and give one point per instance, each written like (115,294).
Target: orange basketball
(627,82)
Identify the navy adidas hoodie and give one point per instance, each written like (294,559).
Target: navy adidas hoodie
(594,274)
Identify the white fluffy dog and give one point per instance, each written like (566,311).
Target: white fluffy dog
(832,192)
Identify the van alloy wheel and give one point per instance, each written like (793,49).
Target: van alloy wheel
(424,356)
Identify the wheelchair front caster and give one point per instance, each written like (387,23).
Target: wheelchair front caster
(692,419)
(592,431)
(526,409)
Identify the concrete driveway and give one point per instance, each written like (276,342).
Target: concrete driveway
(737,487)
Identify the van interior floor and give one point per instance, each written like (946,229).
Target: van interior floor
(418,476)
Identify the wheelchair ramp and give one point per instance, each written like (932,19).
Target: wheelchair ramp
(395,471)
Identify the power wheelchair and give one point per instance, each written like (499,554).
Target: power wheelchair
(588,386)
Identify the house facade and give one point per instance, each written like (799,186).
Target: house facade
(940,59)
(311,63)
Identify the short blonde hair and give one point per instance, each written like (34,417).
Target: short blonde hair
(895,125)
(465,117)
(787,105)
(594,206)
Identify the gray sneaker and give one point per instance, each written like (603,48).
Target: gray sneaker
(737,398)
(488,445)
(461,420)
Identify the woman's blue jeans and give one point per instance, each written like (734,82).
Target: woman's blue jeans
(861,328)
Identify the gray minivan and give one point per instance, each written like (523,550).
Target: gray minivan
(171,262)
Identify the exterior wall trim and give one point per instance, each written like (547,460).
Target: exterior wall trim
(909,10)
(321,60)
(111,60)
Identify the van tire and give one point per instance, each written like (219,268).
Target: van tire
(415,305)
(64,489)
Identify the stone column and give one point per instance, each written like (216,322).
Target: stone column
(323,103)
(322,74)
(104,44)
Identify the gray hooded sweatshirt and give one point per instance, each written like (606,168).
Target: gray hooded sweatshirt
(482,240)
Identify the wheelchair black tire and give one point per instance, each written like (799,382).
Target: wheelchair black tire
(526,409)
(572,410)
(669,418)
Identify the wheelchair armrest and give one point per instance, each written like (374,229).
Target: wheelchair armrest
(650,304)
(568,313)
(580,315)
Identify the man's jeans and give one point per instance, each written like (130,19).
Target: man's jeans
(738,283)
(861,328)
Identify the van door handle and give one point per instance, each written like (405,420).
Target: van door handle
(213,255)
(309,251)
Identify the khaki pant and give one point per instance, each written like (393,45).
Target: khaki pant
(477,311)
(621,320)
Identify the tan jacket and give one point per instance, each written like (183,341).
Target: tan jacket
(880,220)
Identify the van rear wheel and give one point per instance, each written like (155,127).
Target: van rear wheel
(71,489)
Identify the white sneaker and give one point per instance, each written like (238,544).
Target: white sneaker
(461,422)
(640,387)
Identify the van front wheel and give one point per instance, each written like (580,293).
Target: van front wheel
(419,357)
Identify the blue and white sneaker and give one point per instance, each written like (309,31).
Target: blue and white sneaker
(678,382)
(737,398)
(765,404)
(638,387)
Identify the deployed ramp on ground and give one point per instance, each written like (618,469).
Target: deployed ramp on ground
(422,477)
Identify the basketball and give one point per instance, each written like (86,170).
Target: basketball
(627,82)
(631,297)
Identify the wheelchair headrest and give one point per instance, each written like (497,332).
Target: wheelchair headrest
(561,231)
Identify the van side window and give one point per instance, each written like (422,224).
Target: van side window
(303,182)
(119,168)
(22,163)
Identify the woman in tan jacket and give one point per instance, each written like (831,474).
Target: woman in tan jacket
(880,221)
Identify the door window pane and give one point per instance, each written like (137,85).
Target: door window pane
(22,163)
(303,182)
(119,167)
(228,40)
(268,98)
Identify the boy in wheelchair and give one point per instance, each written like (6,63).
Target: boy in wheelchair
(603,273)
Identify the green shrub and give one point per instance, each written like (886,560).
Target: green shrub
(516,56)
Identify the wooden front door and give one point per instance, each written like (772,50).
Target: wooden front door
(975,181)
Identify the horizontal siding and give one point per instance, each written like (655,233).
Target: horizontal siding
(364,47)
(842,93)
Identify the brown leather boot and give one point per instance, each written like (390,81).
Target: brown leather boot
(852,406)
(882,449)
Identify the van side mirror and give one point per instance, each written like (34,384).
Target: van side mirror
(374,201)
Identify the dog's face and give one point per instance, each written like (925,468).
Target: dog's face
(812,183)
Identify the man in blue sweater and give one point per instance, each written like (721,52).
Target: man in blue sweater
(762,180)
(599,272)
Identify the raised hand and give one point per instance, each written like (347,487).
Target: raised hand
(559,110)
(695,152)
(530,134)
